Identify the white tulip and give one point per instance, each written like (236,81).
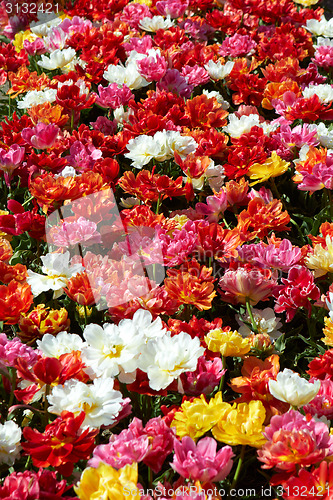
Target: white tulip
(35,97)
(57,271)
(323,91)
(63,343)
(322,27)
(291,388)
(128,75)
(100,402)
(58,59)
(239,126)
(156,23)
(10,437)
(218,71)
(165,358)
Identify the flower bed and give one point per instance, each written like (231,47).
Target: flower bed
(166,250)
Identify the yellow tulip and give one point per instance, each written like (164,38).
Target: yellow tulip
(273,167)
(148,2)
(321,260)
(328,332)
(107,483)
(306,3)
(197,417)
(227,343)
(242,424)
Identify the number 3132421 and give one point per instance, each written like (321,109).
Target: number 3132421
(31,8)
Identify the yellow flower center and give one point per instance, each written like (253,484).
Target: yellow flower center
(114,352)
(88,407)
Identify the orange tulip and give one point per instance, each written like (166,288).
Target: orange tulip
(16,298)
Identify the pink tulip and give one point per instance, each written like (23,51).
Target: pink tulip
(10,159)
(295,440)
(174,82)
(36,47)
(161,439)
(264,193)
(131,445)
(195,75)
(113,96)
(200,462)
(205,378)
(322,403)
(152,68)
(73,232)
(214,207)
(150,444)
(238,285)
(295,292)
(76,24)
(172,8)
(324,57)
(282,256)
(12,349)
(133,13)
(41,136)
(83,156)
(140,45)
(237,46)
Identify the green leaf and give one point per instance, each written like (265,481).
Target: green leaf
(280,343)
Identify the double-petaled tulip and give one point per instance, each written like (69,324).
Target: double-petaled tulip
(41,136)
(291,388)
(16,298)
(61,445)
(201,462)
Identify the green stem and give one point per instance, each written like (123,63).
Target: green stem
(221,384)
(158,205)
(39,413)
(72,120)
(239,466)
(38,68)
(27,201)
(28,462)
(145,407)
(9,102)
(249,310)
(226,224)
(85,315)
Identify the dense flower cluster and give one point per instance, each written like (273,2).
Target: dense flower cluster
(166,250)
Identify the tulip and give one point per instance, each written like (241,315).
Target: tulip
(200,462)
(41,136)
(10,159)
(293,389)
